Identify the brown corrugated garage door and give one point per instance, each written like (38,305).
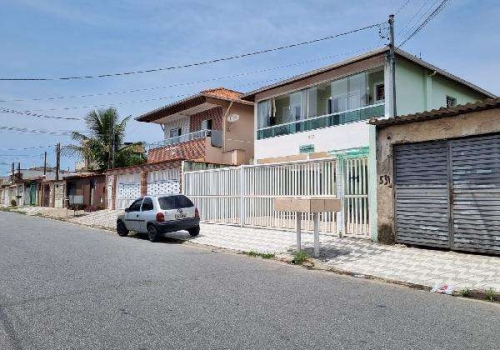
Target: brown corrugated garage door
(448,194)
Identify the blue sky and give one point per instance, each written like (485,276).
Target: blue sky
(64,38)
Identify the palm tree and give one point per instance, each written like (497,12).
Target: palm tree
(103,147)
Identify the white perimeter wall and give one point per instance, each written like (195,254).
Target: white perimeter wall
(328,139)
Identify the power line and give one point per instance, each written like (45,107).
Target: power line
(31,114)
(35,131)
(440,8)
(64,97)
(408,26)
(228,58)
(402,7)
(128,102)
(146,100)
(25,148)
(20,155)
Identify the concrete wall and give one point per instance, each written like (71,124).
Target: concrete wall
(470,124)
(240,135)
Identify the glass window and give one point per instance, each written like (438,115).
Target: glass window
(264,114)
(136,206)
(281,110)
(339,95)
(357,91)
(376,87)
(295,107)
(147,204)
(451,101)
(175,132)
(206,124)
(324,94)
(311,101)
(174,202)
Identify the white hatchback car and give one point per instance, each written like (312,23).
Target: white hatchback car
(156,215)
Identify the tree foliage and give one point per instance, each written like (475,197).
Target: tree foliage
(103,147)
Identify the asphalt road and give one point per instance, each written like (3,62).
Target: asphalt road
(67,287)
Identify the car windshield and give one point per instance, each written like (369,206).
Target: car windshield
(174,202)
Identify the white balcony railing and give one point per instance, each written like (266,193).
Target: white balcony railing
(180,139)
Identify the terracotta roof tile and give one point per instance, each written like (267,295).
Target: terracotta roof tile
(490,103)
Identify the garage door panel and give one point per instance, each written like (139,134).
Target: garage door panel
(421,182)
(476,193)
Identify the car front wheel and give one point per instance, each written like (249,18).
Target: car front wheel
(194,231)
(153,234)
(121,229)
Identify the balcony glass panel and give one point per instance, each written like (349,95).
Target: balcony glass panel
(353,98)
(325,121)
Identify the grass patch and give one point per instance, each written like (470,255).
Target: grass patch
(490,294)
(261,255)
(466,292)
(6,209)
(300,257)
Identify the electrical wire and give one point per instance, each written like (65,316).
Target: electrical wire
(228,58)
(412,18)
(64,97)
(26,148)
(438,10)
(36,115)
(36,131)
(146,100)
(402,7)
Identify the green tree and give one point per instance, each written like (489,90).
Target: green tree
(103,147)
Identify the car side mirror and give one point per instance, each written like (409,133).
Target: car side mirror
(127,210)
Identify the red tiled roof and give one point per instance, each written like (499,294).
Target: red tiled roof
(223,93)
(193,101)
(439,113)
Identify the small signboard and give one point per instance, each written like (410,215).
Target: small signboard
(306,148)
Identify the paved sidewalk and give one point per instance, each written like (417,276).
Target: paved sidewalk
(397,263)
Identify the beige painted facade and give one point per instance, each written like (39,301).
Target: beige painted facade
(464,125)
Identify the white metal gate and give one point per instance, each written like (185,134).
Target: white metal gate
(128,188)
(245,195)
(163,182)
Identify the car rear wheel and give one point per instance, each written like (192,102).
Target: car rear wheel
(194,231)
(153,234)
(121,229)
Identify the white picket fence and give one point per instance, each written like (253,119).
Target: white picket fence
(245,195)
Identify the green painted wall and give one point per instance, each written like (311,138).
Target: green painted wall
(418,91)
(410,87)
(441,87)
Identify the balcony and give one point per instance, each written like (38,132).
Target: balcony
(201,134)
(194,145)
(324,121)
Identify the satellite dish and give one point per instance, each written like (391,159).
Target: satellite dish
(233,118)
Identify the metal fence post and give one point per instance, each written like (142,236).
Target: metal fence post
(341,224)
(242,196)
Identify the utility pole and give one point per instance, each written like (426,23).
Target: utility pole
(113,149)
(13,173)
(58,160)
(45,164)
(392,60)
(18,171)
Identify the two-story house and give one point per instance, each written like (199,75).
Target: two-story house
(325,110)
(214,127)
(324,114)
